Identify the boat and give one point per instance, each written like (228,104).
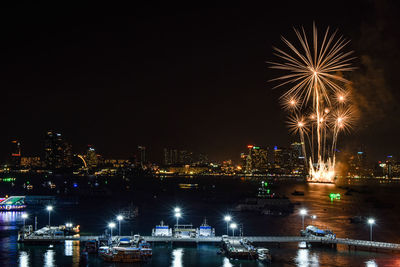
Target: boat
(297,193)
(304,245)
(314,231)
(162,230)
(264,255)
(358,219)
(127,251)
(206,230)
(266,203)
(13,203)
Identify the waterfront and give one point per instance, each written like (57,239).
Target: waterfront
(156,199)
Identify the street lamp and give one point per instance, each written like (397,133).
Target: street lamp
(233,227)
(49,209)
(111,225)
(227,219)
(24,216)
(177,210)
(119,218)
(370,222)
(68,225)
(303,212)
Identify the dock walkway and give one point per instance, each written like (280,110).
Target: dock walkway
(217,239)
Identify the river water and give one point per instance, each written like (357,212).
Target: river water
(157,197)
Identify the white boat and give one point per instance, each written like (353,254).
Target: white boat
(162,230)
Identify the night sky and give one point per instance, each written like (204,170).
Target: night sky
(186,77)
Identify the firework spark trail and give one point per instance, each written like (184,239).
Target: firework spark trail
(313,74)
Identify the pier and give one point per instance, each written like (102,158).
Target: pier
(351,243)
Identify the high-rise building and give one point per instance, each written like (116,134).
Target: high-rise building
(256,159)
(91,157)
(16,153)
(57,152)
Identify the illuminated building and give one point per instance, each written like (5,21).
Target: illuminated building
(256,159)
(170,156)
(91,157)
(31,162)
(16,153)
(57,152)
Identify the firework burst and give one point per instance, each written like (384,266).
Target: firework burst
(316,87)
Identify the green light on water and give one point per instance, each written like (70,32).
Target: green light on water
(333,196)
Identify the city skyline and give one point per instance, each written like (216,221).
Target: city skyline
(197,80)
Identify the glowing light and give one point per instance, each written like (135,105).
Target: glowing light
(49,208)
(303,212)
(228,218)
(24,216)
(111,225)
(315,80)
(233,225)
(178,215)
(371,221)
(120,217)
(177,209)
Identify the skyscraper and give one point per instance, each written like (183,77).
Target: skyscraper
(57,152)
(91,157)
(16,153)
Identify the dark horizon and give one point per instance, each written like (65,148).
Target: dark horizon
(182,77)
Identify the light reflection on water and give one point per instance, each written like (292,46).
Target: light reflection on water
(177,255)
(49,258)
(227,263)
(23,259)
(371,263)
(304,259)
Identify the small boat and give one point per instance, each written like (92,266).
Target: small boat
(127,251)
(297,193)
(304,245)
(264,255)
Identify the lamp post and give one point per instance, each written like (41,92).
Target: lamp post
(111,225)
(370,222)
(119,218)
(49,209)
(233,227)
(303,212)
(177,215)
(24,216)
(227,219)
